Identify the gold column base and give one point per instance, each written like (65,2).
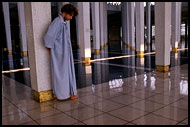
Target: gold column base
(161,68)
(132,48)
(148,43)
(174,50)
(24,53)
(43,95)
(106,44)
(140,54)
(96,51)
(78,46)
(86,61)
(127,45)
(102,47)
(10,52)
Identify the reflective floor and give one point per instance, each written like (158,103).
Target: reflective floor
(118,88)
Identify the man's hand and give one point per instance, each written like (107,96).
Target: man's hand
(49,51)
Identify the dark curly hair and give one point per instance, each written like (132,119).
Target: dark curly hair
(69,9)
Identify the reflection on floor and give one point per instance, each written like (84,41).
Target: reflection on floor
(122,91)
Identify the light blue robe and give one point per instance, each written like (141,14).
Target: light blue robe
(58,40)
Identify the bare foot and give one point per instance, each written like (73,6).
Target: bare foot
(74,98)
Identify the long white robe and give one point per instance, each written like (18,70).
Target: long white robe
(58,40)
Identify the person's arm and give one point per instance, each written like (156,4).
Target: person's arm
(50,36)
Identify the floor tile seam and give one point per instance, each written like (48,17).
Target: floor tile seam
(155,115)
(183,120)
(28,122)
(119,65)
(21,108)
(163,116)
(83,105)
(63,112)
(169,105)
(27,116)
(160,103)
(24,111)
(147,111)
(171,97)
(106,114)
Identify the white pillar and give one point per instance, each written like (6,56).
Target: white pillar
(22,24)
(127,25)
(84,30)
(174,22)
(131,26)
(105,23)
(7,26)
(179,22)
(140,28)
(101,25)
(96,27)
(162,35)
(38,18)
(123,21)
(148,23)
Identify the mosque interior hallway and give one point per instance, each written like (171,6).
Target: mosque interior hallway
(113,85)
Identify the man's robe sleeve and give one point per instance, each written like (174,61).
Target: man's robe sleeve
(51,34)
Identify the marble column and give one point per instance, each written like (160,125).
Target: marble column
(186,40)
(22,28)
(96,27)
(140,29)
(162,35)
(38,19)
(84,33)
(148,24)
(101,25)
(127,25)
(7,26)
(131,26)
(179,23)
(174,36)
(123,21)
(105,24)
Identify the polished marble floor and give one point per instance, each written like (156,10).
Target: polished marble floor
(120,91)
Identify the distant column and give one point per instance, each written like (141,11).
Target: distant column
(105,24)
(7,26)
(140,29)
(84,27)
(148,24)
(174,36)
(179,23)
(101,25)
(96,27)
(131,26)
(162,35)
(22,28)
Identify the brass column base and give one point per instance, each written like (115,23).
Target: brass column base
(43,95)
(161,68)
(86,61)
(96,51)
(127,45)
(140,54)
(174,50)
(24,53)
(148,43)
(78,46)
(10,52)
(102,47)
(132,48)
